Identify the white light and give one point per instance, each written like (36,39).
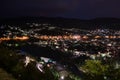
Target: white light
(39,66)
(62,77)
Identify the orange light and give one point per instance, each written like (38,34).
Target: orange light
(96,37)
(85,37)
(107,37)
(21,38)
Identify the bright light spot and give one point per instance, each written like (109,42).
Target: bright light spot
(39,66)
(62,77)
(76,37)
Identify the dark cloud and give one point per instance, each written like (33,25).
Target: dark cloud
(38,7)
(66,8)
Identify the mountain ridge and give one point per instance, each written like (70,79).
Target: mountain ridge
(112,23)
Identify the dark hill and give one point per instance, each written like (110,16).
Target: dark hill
(112,23)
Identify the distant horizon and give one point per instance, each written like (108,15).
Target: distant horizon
(17,17)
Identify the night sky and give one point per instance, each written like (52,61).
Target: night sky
(82,9)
